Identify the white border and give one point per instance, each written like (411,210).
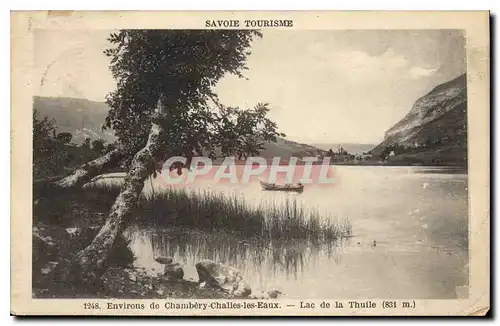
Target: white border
(183,5)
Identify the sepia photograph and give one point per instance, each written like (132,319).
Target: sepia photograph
(251,161)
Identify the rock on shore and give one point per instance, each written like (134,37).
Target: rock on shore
(172,271)
(224,277)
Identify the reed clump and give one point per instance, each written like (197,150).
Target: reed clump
(209,210)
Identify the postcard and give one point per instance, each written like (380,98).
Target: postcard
(320,163)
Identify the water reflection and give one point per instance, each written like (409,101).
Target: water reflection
(258,260)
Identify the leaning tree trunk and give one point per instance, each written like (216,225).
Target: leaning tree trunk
(91,260)
(52,186)
(89,170)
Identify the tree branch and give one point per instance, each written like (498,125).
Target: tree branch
(87,171)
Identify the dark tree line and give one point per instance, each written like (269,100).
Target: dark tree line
(53,153)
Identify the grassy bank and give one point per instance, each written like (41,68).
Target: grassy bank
(215,211)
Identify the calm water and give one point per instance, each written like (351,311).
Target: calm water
(417,217)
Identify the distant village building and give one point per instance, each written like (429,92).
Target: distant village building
(366,156)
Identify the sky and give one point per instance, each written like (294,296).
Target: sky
(329,86)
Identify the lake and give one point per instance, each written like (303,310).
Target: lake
(409,238)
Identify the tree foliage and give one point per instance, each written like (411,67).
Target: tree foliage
(244,132)
(98,145)
(53,153)
(49,152)
(64,137)
(43,131)
(183,66)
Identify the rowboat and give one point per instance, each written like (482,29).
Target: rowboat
(271,186)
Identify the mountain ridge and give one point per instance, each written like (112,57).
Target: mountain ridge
(84,119)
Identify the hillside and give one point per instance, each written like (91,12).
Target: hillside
(83,119)
(80,117)
(287,148)
(435,129)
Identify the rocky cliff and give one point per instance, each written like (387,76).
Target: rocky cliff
(435,129)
